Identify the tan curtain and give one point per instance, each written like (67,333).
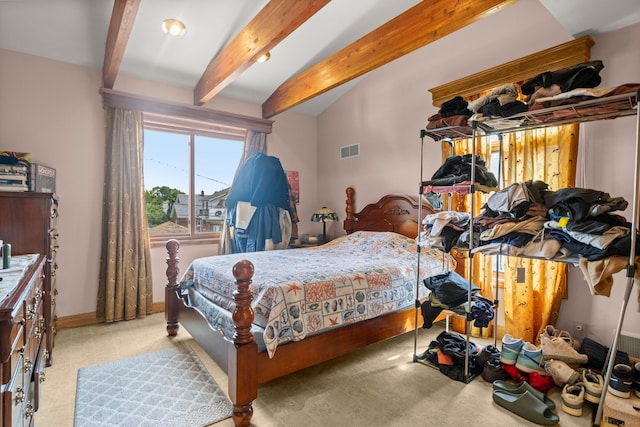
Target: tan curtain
(254,143)
(549,155)
(125,288)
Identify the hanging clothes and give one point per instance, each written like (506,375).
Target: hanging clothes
(259,193)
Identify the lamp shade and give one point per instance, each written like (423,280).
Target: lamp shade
(324,214)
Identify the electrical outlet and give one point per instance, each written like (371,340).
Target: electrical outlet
(579,330)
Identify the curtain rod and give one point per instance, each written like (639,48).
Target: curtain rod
(146,104)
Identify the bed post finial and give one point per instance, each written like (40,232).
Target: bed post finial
(171,295)
(350,209)
(243,313)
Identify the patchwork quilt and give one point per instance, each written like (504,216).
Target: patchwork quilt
(297,292)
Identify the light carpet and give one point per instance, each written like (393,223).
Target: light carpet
(164,388)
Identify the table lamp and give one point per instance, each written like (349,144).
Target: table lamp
(324,215)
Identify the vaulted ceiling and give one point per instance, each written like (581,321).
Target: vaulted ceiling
(423,23)
(319,48)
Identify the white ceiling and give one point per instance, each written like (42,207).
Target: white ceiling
(75,31)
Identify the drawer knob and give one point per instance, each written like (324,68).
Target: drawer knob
(27,364)
(42,376)
(19,397)
(28,411)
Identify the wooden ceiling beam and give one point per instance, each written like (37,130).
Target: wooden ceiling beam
(122,19)
(424,23)
(277,20)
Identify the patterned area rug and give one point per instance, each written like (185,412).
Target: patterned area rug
(165,388)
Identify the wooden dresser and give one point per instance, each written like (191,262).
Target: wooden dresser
(23,353)
(28,223)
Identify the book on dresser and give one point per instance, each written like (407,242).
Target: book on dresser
(14,177)
(43,178)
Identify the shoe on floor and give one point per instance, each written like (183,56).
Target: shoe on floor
(550,331)
(621,381)
(592,382)
(572,399)
(527,406)
(493,371)
(557,348)
(561,373)
(510,349)
(489,352)
(519,388)
(529,359)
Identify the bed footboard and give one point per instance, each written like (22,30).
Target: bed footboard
(239,357)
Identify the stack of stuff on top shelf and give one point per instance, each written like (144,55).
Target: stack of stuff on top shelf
(14,171)
(505,106)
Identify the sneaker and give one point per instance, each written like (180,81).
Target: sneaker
(557,348)
(550,331)
(592,382)
(510,349)
(561,373)
(529,359)
(572,399)
(621,381)
(636,378)
(493,371)
(489,352)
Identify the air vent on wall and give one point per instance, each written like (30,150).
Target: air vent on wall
(350,151)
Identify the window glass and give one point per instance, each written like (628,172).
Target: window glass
(178,197)
(215,163)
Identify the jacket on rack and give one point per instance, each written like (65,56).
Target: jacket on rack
(586,74)
(458,169)
(262,185)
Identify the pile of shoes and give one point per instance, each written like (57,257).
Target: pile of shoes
(535,370)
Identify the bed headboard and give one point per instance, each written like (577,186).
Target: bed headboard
(393,212)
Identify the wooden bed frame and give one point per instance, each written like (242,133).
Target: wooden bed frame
(239,357)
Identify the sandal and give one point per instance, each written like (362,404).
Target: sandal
(527,406)
(520,388)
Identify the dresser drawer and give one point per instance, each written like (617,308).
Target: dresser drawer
(17,348)
(38,377)
(14,398)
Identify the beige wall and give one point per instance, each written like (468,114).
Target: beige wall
(54,111)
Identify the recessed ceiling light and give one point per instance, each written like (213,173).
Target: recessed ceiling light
(265,57)
(174,27)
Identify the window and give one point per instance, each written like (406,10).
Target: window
(187,175)
(495,166)
(190,157)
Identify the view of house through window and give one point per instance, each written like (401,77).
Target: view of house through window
(183,199)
